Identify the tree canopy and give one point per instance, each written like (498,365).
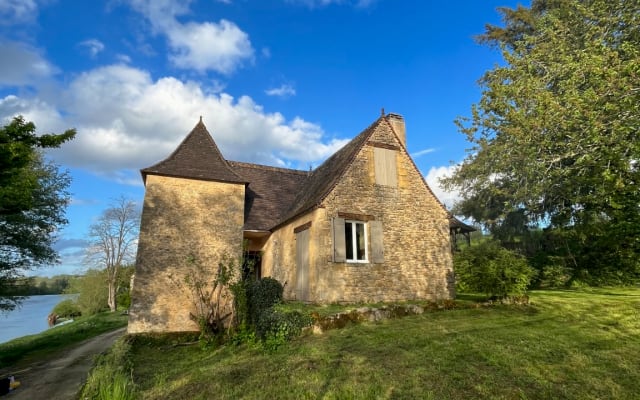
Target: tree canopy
(33,197)
(555,141)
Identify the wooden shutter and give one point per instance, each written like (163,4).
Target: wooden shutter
(392,173)
(385,166)
(377,245)
(339,246)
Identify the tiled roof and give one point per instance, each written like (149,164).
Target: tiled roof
(273,195)
(324,178)
(269,194)
(197,157)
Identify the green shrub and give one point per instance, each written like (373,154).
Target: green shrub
(124,300)
(493,270)
(275,327)
(67,309)
(261,295)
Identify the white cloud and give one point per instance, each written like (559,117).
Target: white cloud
(14,12)
(433,177)
(422,152)
(123,58)
(208,46)
(284,90)
(22,64)
(94,46)
(126,121)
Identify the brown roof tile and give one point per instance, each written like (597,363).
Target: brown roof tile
(269,194)
(197,157)
(324,178)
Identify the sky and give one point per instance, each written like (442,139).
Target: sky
(276,82)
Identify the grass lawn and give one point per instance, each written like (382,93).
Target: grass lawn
(565,345)
(29,348)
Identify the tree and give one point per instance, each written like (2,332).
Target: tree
(92,291)
(114,239)
(555,140)
(33,198)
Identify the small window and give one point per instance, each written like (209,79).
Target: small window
(355,241)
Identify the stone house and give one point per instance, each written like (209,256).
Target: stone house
(362,227)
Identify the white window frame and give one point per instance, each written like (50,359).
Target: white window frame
(353,243)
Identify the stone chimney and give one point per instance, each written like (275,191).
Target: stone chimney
(397,123)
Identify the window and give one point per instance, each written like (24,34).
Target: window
(351,243)
(385,166)
(355,236)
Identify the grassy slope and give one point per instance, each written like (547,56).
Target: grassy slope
(28,348)
(576,345)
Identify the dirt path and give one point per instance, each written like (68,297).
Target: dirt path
(60,377)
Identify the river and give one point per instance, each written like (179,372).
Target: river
(30,318)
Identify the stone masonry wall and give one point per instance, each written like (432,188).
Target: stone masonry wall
(417,256)
(279,253)
(181,218)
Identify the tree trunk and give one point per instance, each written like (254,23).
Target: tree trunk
(113,304)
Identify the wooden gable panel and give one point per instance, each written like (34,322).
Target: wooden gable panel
(385,166)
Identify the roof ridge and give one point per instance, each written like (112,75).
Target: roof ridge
(267,167)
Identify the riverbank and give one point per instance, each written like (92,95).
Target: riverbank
(28,349)
(30,317)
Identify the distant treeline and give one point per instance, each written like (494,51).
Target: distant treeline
(37,285)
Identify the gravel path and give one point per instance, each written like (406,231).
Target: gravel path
(60,377)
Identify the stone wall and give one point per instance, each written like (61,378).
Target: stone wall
(279,252)
(181,219)
(417,256)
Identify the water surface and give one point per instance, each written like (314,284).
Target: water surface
(30,318)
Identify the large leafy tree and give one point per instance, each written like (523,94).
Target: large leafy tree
(555,136)
(114,239)
(33,197)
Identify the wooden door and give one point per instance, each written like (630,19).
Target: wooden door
(302,265)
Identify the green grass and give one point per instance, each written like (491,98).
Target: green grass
(28,348)
(565,345)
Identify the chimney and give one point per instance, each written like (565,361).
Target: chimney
(397,123)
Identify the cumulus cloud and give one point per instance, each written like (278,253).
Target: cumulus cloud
(433,180)
(282,91)
(93,46)
(208,46)
(22,64)
(14,12)
(126,121)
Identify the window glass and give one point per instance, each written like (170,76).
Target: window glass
(360,243)
(348,238)
(355,241)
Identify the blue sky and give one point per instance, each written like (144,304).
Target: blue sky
(283,83)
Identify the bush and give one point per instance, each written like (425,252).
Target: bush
(262,295)
(493,270)
(275,327)
(123,300)
(67,309)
